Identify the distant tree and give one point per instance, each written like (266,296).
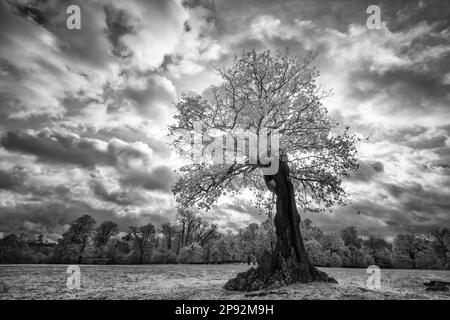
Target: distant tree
(441,244)
(354,256)
(235,249)
(117,251)
(78,237)
(409,246)
(274,92)
(350,237)
(377,249)
(310,231)
(11,248)
(213,255)
(192,253)
(207,242)
(188,219)
(333,244)
(249,241)
(224,249)
(316,253)
(168,231)
(205,232)
(267,236)
(104,232)
(40,239)
(143,237)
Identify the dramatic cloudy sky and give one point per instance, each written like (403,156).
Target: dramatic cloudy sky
(83,113)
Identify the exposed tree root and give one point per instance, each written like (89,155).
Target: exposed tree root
(289,271)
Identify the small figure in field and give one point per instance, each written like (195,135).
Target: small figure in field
(248,260)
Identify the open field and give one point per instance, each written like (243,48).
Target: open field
(202,282)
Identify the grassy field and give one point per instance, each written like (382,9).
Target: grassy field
(202,282)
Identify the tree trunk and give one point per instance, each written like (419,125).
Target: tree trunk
(169,242)
(290,262)
(413,259)
(80,253)
(182,235)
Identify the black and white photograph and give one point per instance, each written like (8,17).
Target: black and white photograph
(225,150)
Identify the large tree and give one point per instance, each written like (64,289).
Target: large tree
(409,246)
(441,244)
(267,95)
(79,236)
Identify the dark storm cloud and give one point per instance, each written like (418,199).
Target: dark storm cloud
(408,13)
(419,137)
(31,10)
(52,15)
(415,198)
(417,207)
(118,21)
(407,85)
(17,180)
(53,61)
(50,146)
(122,198)
(55,148)
(367,170)
(11,179)
(159,178)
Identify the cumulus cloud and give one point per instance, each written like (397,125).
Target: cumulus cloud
(59,147)
(52,60)
(119,197)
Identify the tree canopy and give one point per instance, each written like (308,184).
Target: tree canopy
(263,93)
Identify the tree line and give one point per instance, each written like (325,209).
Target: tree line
(192,240)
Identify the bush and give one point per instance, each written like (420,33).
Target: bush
(336,260)
(224,250)
(164,256)
(214,256)
(191,254)
(316,253)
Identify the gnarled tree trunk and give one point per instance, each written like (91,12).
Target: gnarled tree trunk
(289,263)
